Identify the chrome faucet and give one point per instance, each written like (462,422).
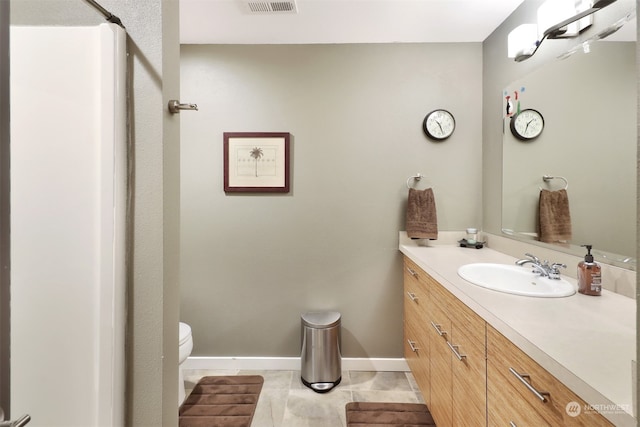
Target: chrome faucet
(530,259)
(552,271)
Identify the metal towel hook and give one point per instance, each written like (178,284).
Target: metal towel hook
(416,177)
(547,178)
(175,106)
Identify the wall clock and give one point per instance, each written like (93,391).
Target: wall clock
(439,124)
(527,124)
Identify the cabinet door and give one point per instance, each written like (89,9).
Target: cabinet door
(505,406)
(469,367)
(523,379)
(441,377)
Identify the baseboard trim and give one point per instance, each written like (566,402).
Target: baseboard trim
(291,364)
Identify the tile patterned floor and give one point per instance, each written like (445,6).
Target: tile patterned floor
(286,402)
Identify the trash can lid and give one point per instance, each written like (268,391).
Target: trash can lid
(321,319)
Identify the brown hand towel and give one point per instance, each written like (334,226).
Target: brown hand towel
(554,218)
(422,221)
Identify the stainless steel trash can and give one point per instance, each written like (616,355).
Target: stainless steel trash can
(321,359)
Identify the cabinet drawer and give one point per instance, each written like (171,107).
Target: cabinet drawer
(416,291)
(416,331)
(416,300)
(523,379)
(417,354)
(412,271)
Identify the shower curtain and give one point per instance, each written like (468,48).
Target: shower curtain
(68,206)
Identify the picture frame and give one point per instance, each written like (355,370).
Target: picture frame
(256,162)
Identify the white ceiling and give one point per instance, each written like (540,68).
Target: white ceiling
(343,21)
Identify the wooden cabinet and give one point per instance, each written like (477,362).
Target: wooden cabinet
(458,363)
(470,374)
(452,339)
(416,335)
(525,394)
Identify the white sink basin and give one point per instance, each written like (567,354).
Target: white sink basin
(516,280)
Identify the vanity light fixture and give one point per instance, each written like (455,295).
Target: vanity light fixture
(522,40)
(585,46)
(572,21)
(553,11)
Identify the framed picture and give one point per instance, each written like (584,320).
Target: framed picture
(256,162)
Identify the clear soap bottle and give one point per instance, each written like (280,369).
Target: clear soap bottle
(589,275)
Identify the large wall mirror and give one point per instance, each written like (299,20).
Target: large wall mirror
(589,104)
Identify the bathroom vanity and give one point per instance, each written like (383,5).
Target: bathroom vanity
(482,357)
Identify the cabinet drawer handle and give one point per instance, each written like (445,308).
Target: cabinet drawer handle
(438,330)
(412,272)
(523,379)
(412,296)
(454,348)
(412,344)
(512,424)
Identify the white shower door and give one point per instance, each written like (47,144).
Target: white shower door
(68,198)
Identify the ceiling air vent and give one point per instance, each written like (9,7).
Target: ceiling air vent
(273,6)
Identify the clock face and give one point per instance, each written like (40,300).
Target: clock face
(527,124)
(439,124)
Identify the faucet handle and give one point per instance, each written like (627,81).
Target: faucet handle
(554,272)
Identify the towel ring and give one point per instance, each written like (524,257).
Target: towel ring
(416,177)
(547,178)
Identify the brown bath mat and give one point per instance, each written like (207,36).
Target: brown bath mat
(225,401)
(361,414)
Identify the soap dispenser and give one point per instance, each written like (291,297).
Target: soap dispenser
(589,275)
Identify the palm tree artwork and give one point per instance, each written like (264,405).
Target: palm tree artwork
(256,153)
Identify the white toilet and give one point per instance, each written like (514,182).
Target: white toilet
(185,343)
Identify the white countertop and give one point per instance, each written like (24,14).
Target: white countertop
(586,342)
